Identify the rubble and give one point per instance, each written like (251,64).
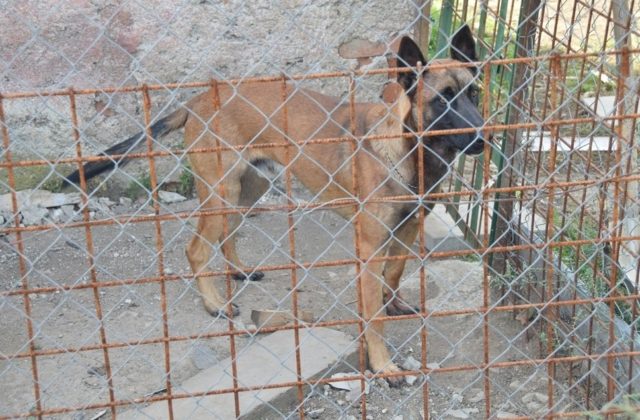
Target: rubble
(36,207)
(169,197)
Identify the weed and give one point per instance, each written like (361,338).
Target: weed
(138,187)
(186,182)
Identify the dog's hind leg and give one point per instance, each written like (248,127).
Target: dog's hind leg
(404,237)
(211,228)
(253,186)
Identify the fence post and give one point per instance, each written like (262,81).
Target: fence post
(502,233)
(422,28)
(627,104)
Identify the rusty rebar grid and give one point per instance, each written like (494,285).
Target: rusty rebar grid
(550,186)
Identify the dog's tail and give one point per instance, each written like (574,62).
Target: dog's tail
(166,125)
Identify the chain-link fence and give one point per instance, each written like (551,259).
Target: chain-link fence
(372,233)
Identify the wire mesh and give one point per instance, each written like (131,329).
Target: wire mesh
(521,262)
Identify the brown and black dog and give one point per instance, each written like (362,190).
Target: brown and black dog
(253,114)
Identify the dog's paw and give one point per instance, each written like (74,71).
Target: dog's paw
(397,306)
(393,381)
(218,312)
(255,276)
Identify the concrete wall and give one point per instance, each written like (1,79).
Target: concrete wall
(53,44)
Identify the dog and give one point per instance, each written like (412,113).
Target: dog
(254,114)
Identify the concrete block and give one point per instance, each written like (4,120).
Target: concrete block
(605,107)
(265,360)
(441,232)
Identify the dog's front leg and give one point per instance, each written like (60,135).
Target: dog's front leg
(404,236)
(371,292)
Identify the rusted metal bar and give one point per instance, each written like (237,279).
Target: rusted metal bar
(503,211)
(549,269)
(357,237)
(146,105)
(22,263)
(427,371)
(314,76)
(486,174)
(292,240)
(422,252)
(90,250)
(220,172)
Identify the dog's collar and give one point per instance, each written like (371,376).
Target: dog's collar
(398,176)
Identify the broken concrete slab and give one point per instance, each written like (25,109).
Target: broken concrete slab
(38,198)
(33,215)
(266,360)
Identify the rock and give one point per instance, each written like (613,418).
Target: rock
(457,414)
(543,398)
(533,407)
(411,379)
(433,365)
(457,398)
(6,216)
(97,371)
(203,356)
(411,364)
(169,197)
(106,201)
(527,398)
(33,215)
(315,414)
(125,201)
(515,384)
(69,212)
(128,314)
(479,396)
(56,215)
(348,385)
(472,410)
(100,204)
(505,415)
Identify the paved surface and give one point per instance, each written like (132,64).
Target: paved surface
(266,360)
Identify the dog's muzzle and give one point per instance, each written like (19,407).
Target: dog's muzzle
(477,146)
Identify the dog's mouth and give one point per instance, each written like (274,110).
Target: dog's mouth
(476,147)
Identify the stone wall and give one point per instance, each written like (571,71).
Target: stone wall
(53,44)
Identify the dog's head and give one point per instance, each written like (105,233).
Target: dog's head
(450,94)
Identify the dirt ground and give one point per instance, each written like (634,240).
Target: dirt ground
(67,320)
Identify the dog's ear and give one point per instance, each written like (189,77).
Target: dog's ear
(408,56)
(463,45)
